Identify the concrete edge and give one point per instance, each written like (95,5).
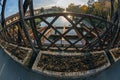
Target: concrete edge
(23,62)
(68,74)
(115,59)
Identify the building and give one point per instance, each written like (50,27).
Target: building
(15,17)
(12,18)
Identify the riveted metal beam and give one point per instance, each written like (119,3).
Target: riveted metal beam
(26,5)
(21,12)
(112,8)
(3,18)
(33,25)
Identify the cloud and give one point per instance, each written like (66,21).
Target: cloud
(43,3)
(65,3)
(62,3)
(12,7)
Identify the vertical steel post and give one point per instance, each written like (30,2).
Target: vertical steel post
(3,19)
(112,9)
(23,24)
(25,6)
(119,10)
(33,25)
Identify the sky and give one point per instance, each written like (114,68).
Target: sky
(12,5)
(61,3)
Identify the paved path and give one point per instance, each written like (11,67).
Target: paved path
(11,70)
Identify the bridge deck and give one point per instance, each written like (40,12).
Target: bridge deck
(9,71)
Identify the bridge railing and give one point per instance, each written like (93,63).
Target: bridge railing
(84,32)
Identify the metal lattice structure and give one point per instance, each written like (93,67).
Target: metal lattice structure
(99,33)
(91,32)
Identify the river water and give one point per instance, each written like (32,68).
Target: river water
(61,22)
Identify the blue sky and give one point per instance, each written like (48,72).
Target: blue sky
(12,5)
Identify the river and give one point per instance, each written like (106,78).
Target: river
(61,22)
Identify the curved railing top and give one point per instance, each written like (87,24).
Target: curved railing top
(64,14)
(98,30)
(91,31)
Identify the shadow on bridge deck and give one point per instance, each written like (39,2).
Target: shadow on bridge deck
(11,70)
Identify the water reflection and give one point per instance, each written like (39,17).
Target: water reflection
(60,22)
(65,25)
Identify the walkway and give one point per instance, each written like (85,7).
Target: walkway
(11,70)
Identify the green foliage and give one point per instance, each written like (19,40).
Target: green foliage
(58,9)
(42,9)
(73,8)
(101,9)
(37,21)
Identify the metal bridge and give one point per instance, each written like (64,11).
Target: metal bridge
(90,33)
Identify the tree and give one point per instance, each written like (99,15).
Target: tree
(58,9)
(73,8)
(90,9)
(115,5)
(42,10)
(84,9)
(101,9)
